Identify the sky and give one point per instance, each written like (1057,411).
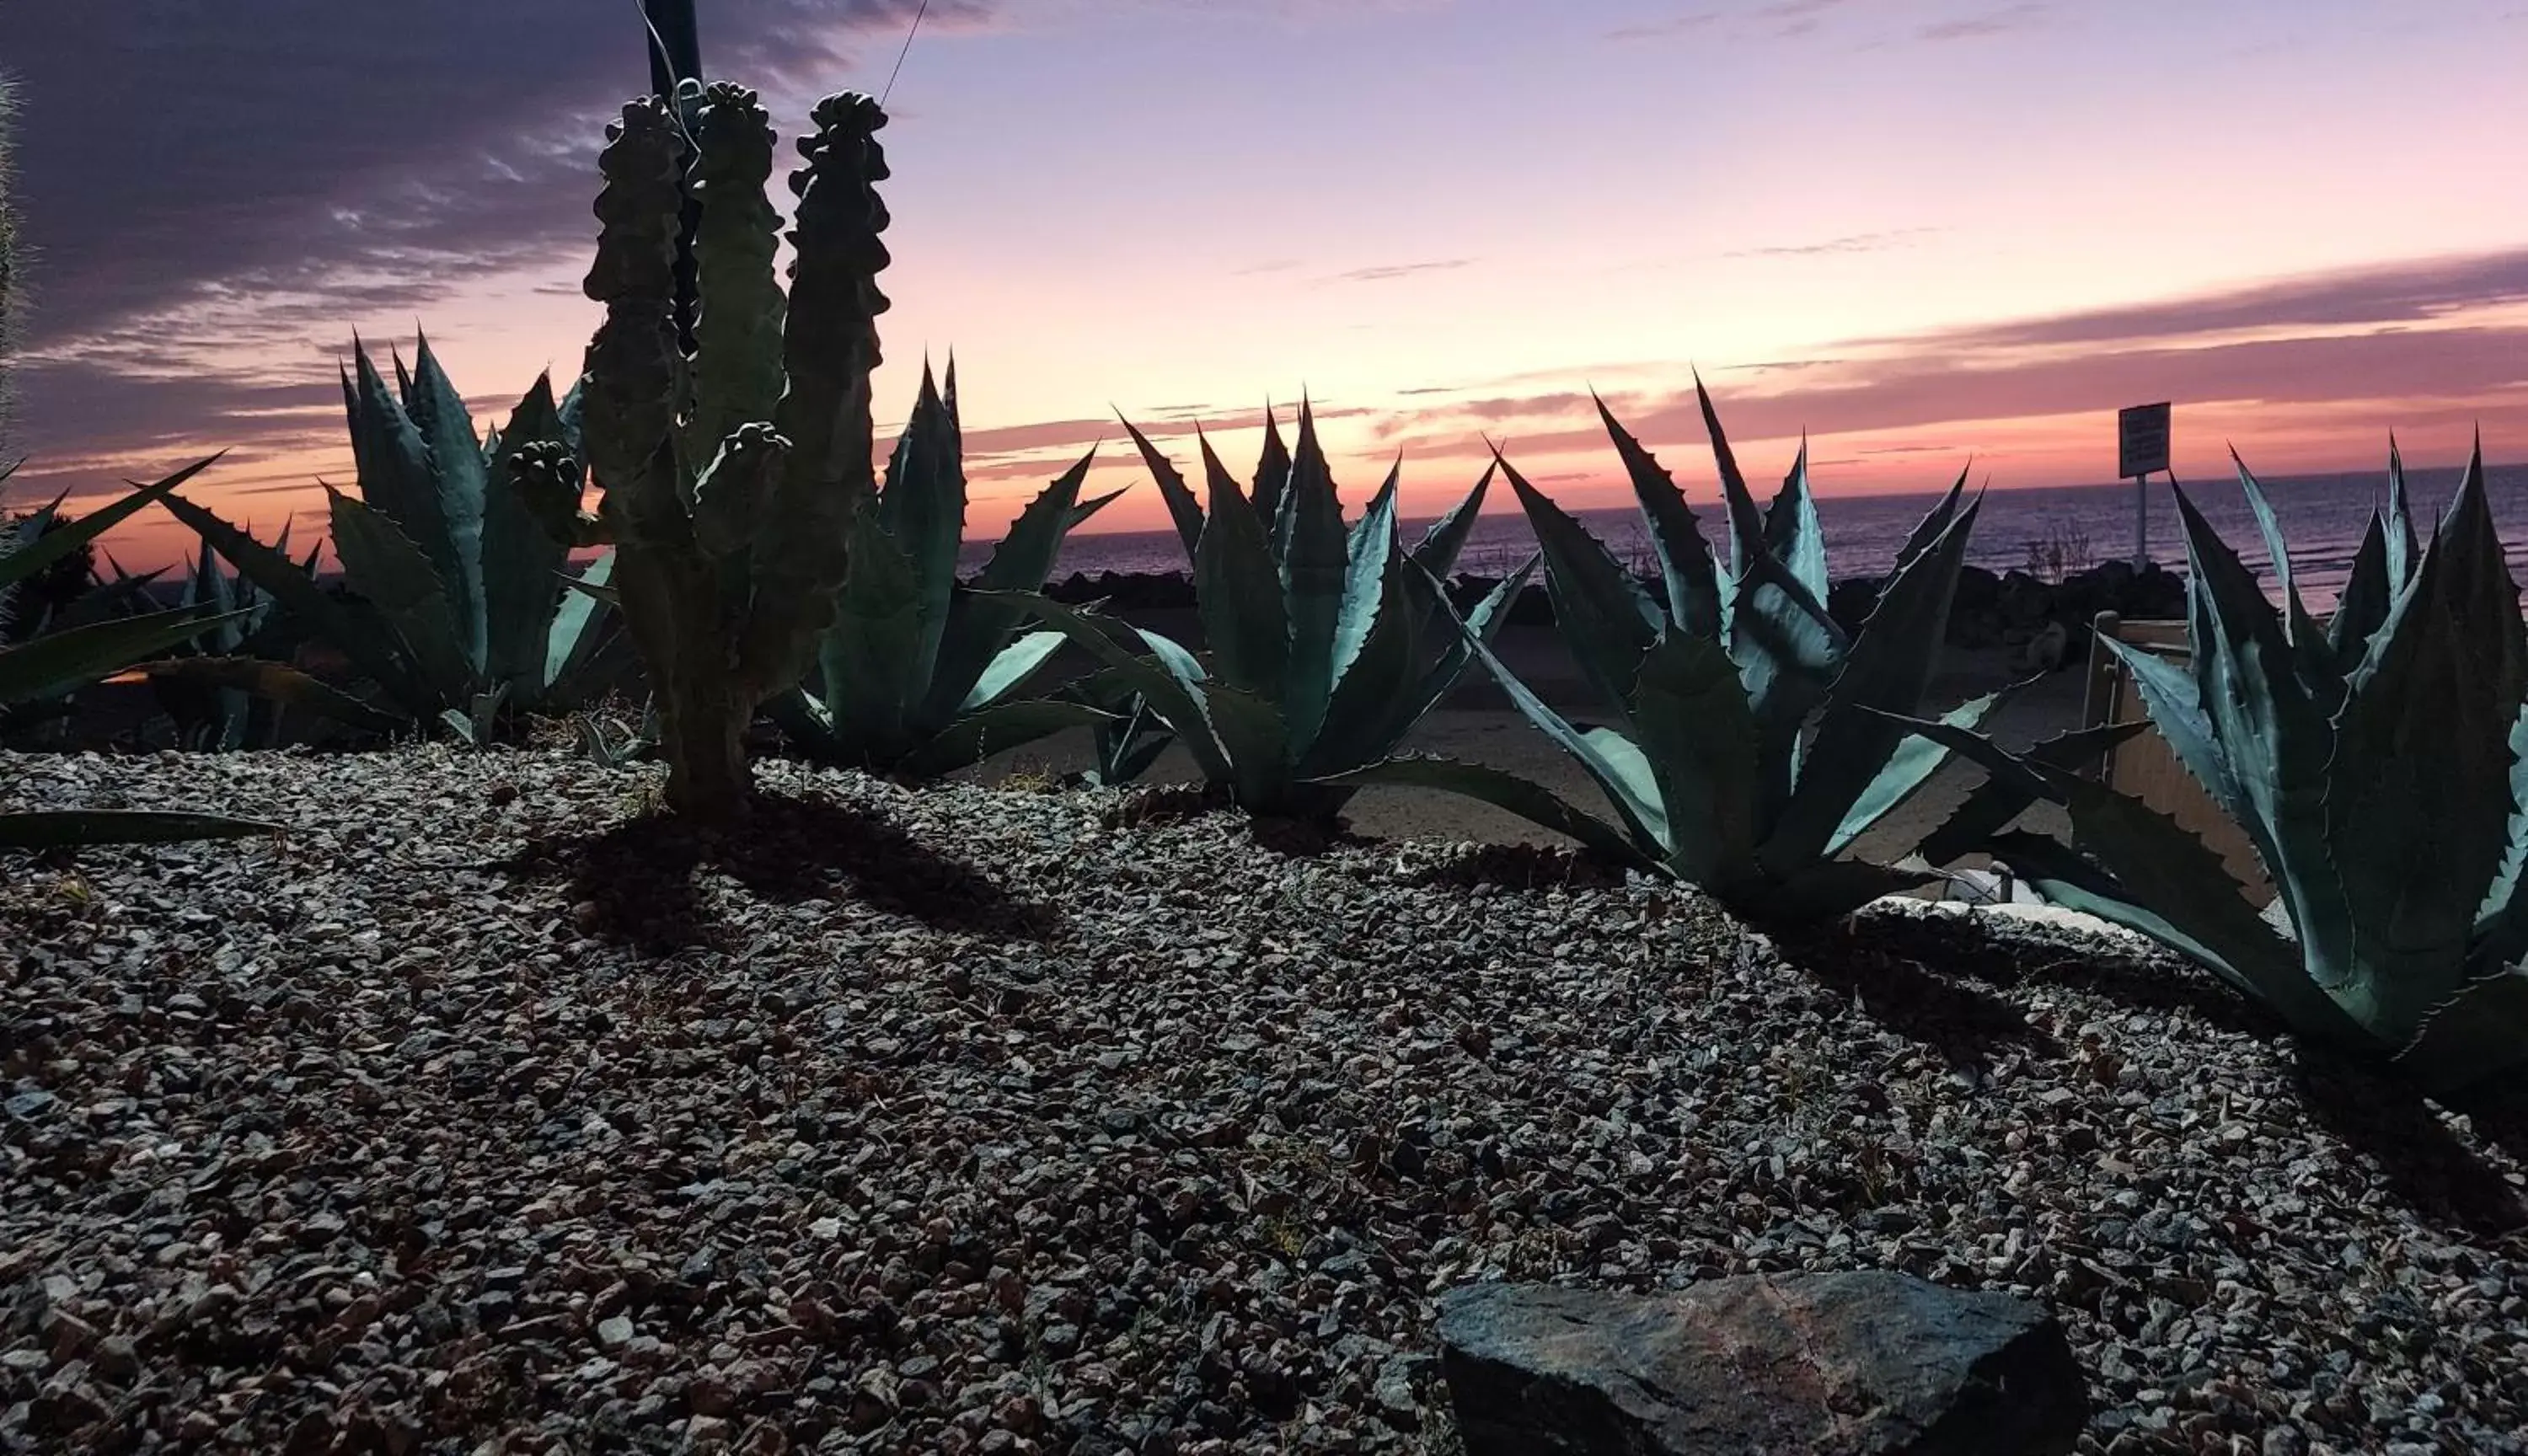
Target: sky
(1924,232)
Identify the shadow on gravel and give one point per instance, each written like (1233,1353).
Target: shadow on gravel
(1300,838)
(1522,868)
(2439,1177)
(1964,945)
(640,874)
(1889,975)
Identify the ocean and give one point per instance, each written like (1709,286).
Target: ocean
(2323,519)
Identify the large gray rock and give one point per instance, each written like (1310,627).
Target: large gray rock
(1866,1364)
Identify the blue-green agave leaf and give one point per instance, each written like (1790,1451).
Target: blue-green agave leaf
(456,478)
(2398,521)
(357,633)
(1314,565)
(1933,524)
(1691,716)
(2478,1038)
(58,662)
(1888,667)
(397,577)
(1686,570)
(2364,606)
(1170,679)
(1990,806)
(1437,552)
(1374,705)
(1602,615)
(978,735)
(2140,870)
(72,828)
(574,637)
(1237,590)
(1272,484)
(1904,772)
(923,511)
(1641,817)
(1484,624)
(978,631)
(2501,921)
(1791,530)
(1015,664)
(1371,555)
(2312,652)
(275,682)
(395,473)
(2426,726)
(41,549)
(1183,508)
(2276,738)
(1503,790)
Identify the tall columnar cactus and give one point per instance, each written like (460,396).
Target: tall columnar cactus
(727,478)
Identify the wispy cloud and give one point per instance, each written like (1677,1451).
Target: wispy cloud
(1389,271)
(1662,29)
(1975,28)
(1778,19)
(1857,243)
(2401,343)
(2416,290)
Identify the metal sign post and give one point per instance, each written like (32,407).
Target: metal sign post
(2141,447)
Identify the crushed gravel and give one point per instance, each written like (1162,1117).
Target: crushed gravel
(477,1115)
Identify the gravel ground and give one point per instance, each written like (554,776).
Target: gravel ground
(475,1114)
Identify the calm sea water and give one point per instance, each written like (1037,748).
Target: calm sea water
(2323,519)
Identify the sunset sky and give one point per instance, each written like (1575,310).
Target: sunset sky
(1919,229)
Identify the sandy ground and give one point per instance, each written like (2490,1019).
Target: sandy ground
(1477,723)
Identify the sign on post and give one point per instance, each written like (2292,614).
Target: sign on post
(2142,448)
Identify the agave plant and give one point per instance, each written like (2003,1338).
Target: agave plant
(229,689)
(1327,643)
(1127,737)
(56,663)
(2379,766)
(1710,684)
(728,478)
(467,615)
(919,675)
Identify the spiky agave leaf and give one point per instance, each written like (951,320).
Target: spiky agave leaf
(75,828)
(1709,689)
(888,697)
(2395,826)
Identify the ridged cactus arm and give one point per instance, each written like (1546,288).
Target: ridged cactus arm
(548,481)
(632,373)
(728,499)
(737,331)
(829,346)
